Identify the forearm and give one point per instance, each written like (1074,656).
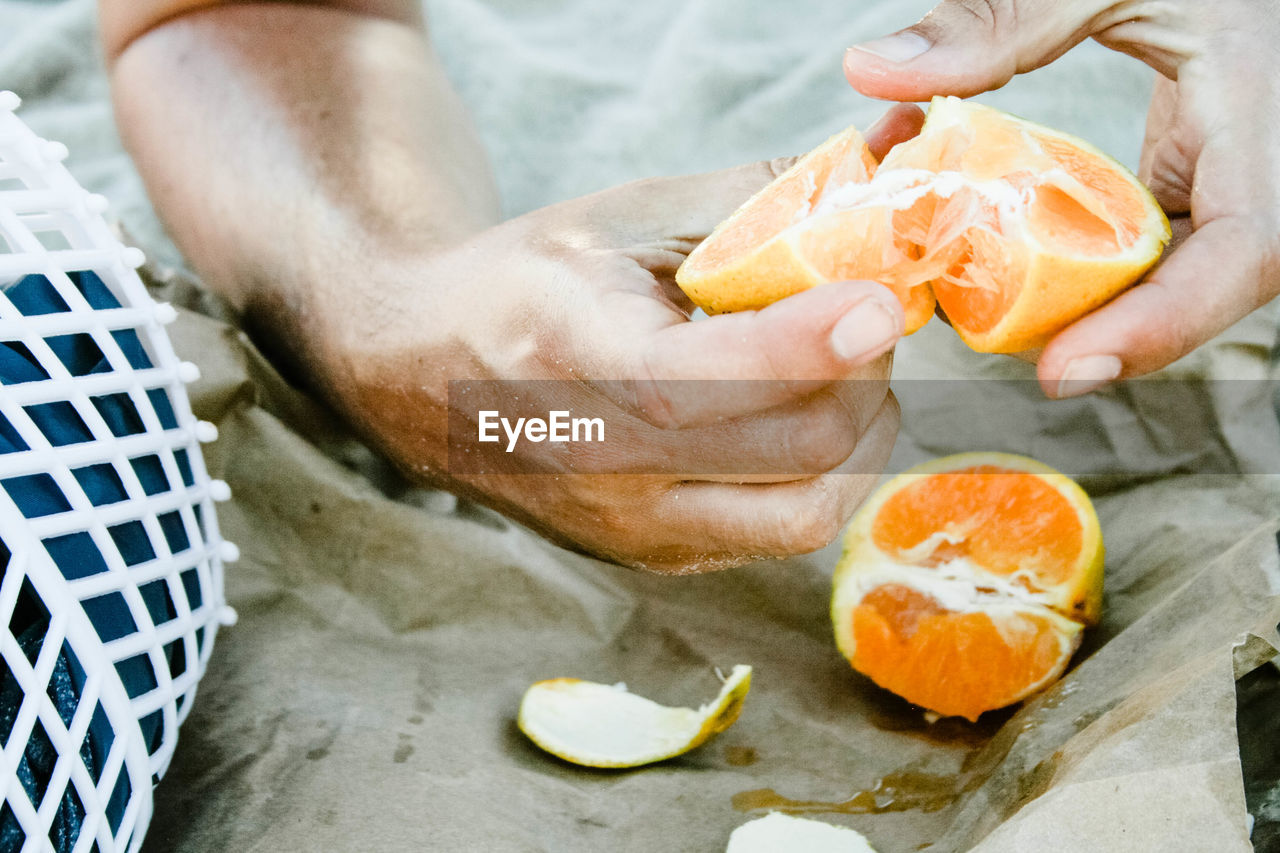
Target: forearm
(285,144)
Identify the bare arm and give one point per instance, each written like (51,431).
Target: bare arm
(314,166)
(281,141)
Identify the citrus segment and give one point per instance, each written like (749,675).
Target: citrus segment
(754,260)
(1015,230)
(966,582)
(601,725)
(1000,519)
(954,663)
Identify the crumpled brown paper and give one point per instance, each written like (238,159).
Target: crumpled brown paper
(366,699)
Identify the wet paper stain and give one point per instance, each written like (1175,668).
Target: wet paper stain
(984,744)
(328,734)
(1032,784)
(900,791)
(404,749)
(891,714)
(740,756)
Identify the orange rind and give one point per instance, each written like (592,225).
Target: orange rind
(1014,229)
(966,583)
(603,725)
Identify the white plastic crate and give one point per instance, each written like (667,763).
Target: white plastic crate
(110,557)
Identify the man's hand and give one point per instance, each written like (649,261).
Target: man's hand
(313,165)
(1209,157)
(581,292)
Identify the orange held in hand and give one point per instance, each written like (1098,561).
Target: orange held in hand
(966,582)
(1014,229)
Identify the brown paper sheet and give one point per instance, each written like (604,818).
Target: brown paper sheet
(366,699)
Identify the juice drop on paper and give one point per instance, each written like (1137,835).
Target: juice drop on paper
(895,792)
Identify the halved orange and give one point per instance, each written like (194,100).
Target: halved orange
(1016,230)
(966,582)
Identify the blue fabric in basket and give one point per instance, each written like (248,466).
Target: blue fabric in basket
(76,555)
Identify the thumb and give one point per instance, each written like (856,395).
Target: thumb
(683,210)
(964,47)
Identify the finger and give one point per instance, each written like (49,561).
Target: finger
(1182,229)
(728,524)
(676,212)
(1161,113)
(800,439)
(788,350)
(662,257)
(688,207)
(900,123)
(1168,156)
(964,47)
(1218,275)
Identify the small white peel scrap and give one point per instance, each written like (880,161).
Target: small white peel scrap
(780,833)
(602,725)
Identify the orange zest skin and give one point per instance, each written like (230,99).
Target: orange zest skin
(1013,229)
(966,583)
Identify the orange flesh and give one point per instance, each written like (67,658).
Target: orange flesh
(972,288)
(1058,218)
(1003,520)
(953,663)
(1113,191)
(953,248)
(977,289)
(845,160)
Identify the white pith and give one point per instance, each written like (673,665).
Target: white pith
(898,189)
(606,725)
(894,189)
(960,586)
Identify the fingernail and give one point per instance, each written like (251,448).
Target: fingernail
(1087,372)
(900,47)
(868,329)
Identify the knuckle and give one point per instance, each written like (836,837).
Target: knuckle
(991,22)
(1264,242)
(779,165)
(1168,333)
(989,12)
(774,363)
(812,523)
(990,15)
(653,401)
(638,186)
(1269,278)
(863,396)
(893,411)
(828,435)
(821,530)
(816,456)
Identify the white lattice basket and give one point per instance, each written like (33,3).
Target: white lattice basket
(110,557)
